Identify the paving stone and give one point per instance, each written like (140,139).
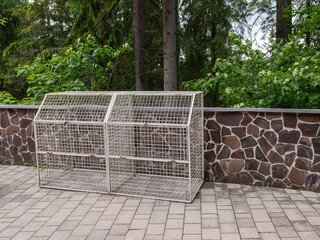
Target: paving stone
(82,230)
(22,236)
(173,234)
(211,234)
(265,227)
(194,228)
(175,223)
(286,232)
(60,235)
(248,233)
(228,228)
(118,230)
(230,236)
(269,236)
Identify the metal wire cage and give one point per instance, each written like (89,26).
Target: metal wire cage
(155,145)
(70,131)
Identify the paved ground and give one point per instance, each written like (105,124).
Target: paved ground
(220,211)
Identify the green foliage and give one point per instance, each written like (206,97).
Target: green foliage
(7,98)
(289,76)
(84,65)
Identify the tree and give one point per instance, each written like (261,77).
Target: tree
(139,44)
(283,19)
(170,45)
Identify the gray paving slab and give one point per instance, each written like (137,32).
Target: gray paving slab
(220,211)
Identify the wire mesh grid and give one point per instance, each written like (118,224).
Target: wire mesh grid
(164,180)
(138,143)
(72,172)
(70,140)
(155,145)
(140,108)
(69,106)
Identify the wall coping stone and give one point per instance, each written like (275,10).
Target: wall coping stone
(276,110)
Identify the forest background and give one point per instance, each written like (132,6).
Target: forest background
(106,45)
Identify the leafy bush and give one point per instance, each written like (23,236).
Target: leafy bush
(84,65)
(288,76)
(7,98)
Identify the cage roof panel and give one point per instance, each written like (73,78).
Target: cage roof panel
(75,106)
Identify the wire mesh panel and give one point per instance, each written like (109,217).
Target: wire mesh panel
(70,140)
(155,144)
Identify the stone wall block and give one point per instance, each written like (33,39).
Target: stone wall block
(226,131)
(229,119)
(313,118)
(251,164)
(15,119)
(286,136)
(25,122)
(284,148)
(232,166)
(274,157)
(303,151)
(305,141)
(4,120)
(215,136)
(225,153)
(257,176)
(271,137)
(276,125)
(308,130)
(303,164)
(248,142)
(240,178)
(253,130)
(212,125)
(12,129)
(206,136)
(239,154)
(279,171)
(217,171)
(290,120)
(261,122)
(289,158)
(271,115)
(249,152)
(316,168)
(231,141)
(239,131)
(264,145)
(265,168)
(316,145)
(316,159)
(246,120)
(260,156)
(297,176)
(210,156)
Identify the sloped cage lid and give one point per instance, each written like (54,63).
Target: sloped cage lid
(75,106)
(152,107)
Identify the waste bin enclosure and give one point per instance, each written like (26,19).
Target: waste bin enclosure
(155,145)
(70,140)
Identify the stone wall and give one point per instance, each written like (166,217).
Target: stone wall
(273,148)
(17,144)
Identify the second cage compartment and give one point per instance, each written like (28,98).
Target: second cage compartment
(155,145)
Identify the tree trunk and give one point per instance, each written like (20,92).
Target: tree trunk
(169,45)
(308,34)
(139,44)
(283,24)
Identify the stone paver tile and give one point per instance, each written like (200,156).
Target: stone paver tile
(254,201)
(269,236)
(191,237)
(208,207)
(248,233)
(210,223)
(113,209)
(82,230)
(192,216)
(308,236)
(145,208)
(194,228)
(301,226)
(45,231)
(228,228)
(245,222)
(281,222)
(135,235)
(286,232)
(68,225)
(226,216)
(158,217)
(173,234)
(9,232)
(177,208)
(294,214)
(96,234)
(230,236)
(103,224)
(152,237)
(314,220)
(118,230)
(139,224)
(241,207)
(32,227)
(265,227)
(91,218)
(22,236)
(211,234)
(174,223)
(155,229)
(260,215)
(73,237)
(60,235)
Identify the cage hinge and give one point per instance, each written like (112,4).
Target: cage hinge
(92,156)
(123,157)
(172,161)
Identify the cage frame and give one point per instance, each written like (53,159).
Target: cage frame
(192,190)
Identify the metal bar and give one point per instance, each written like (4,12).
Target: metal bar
(69,122)
(150,124)
(147,159)
(71,154)
(106,141)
